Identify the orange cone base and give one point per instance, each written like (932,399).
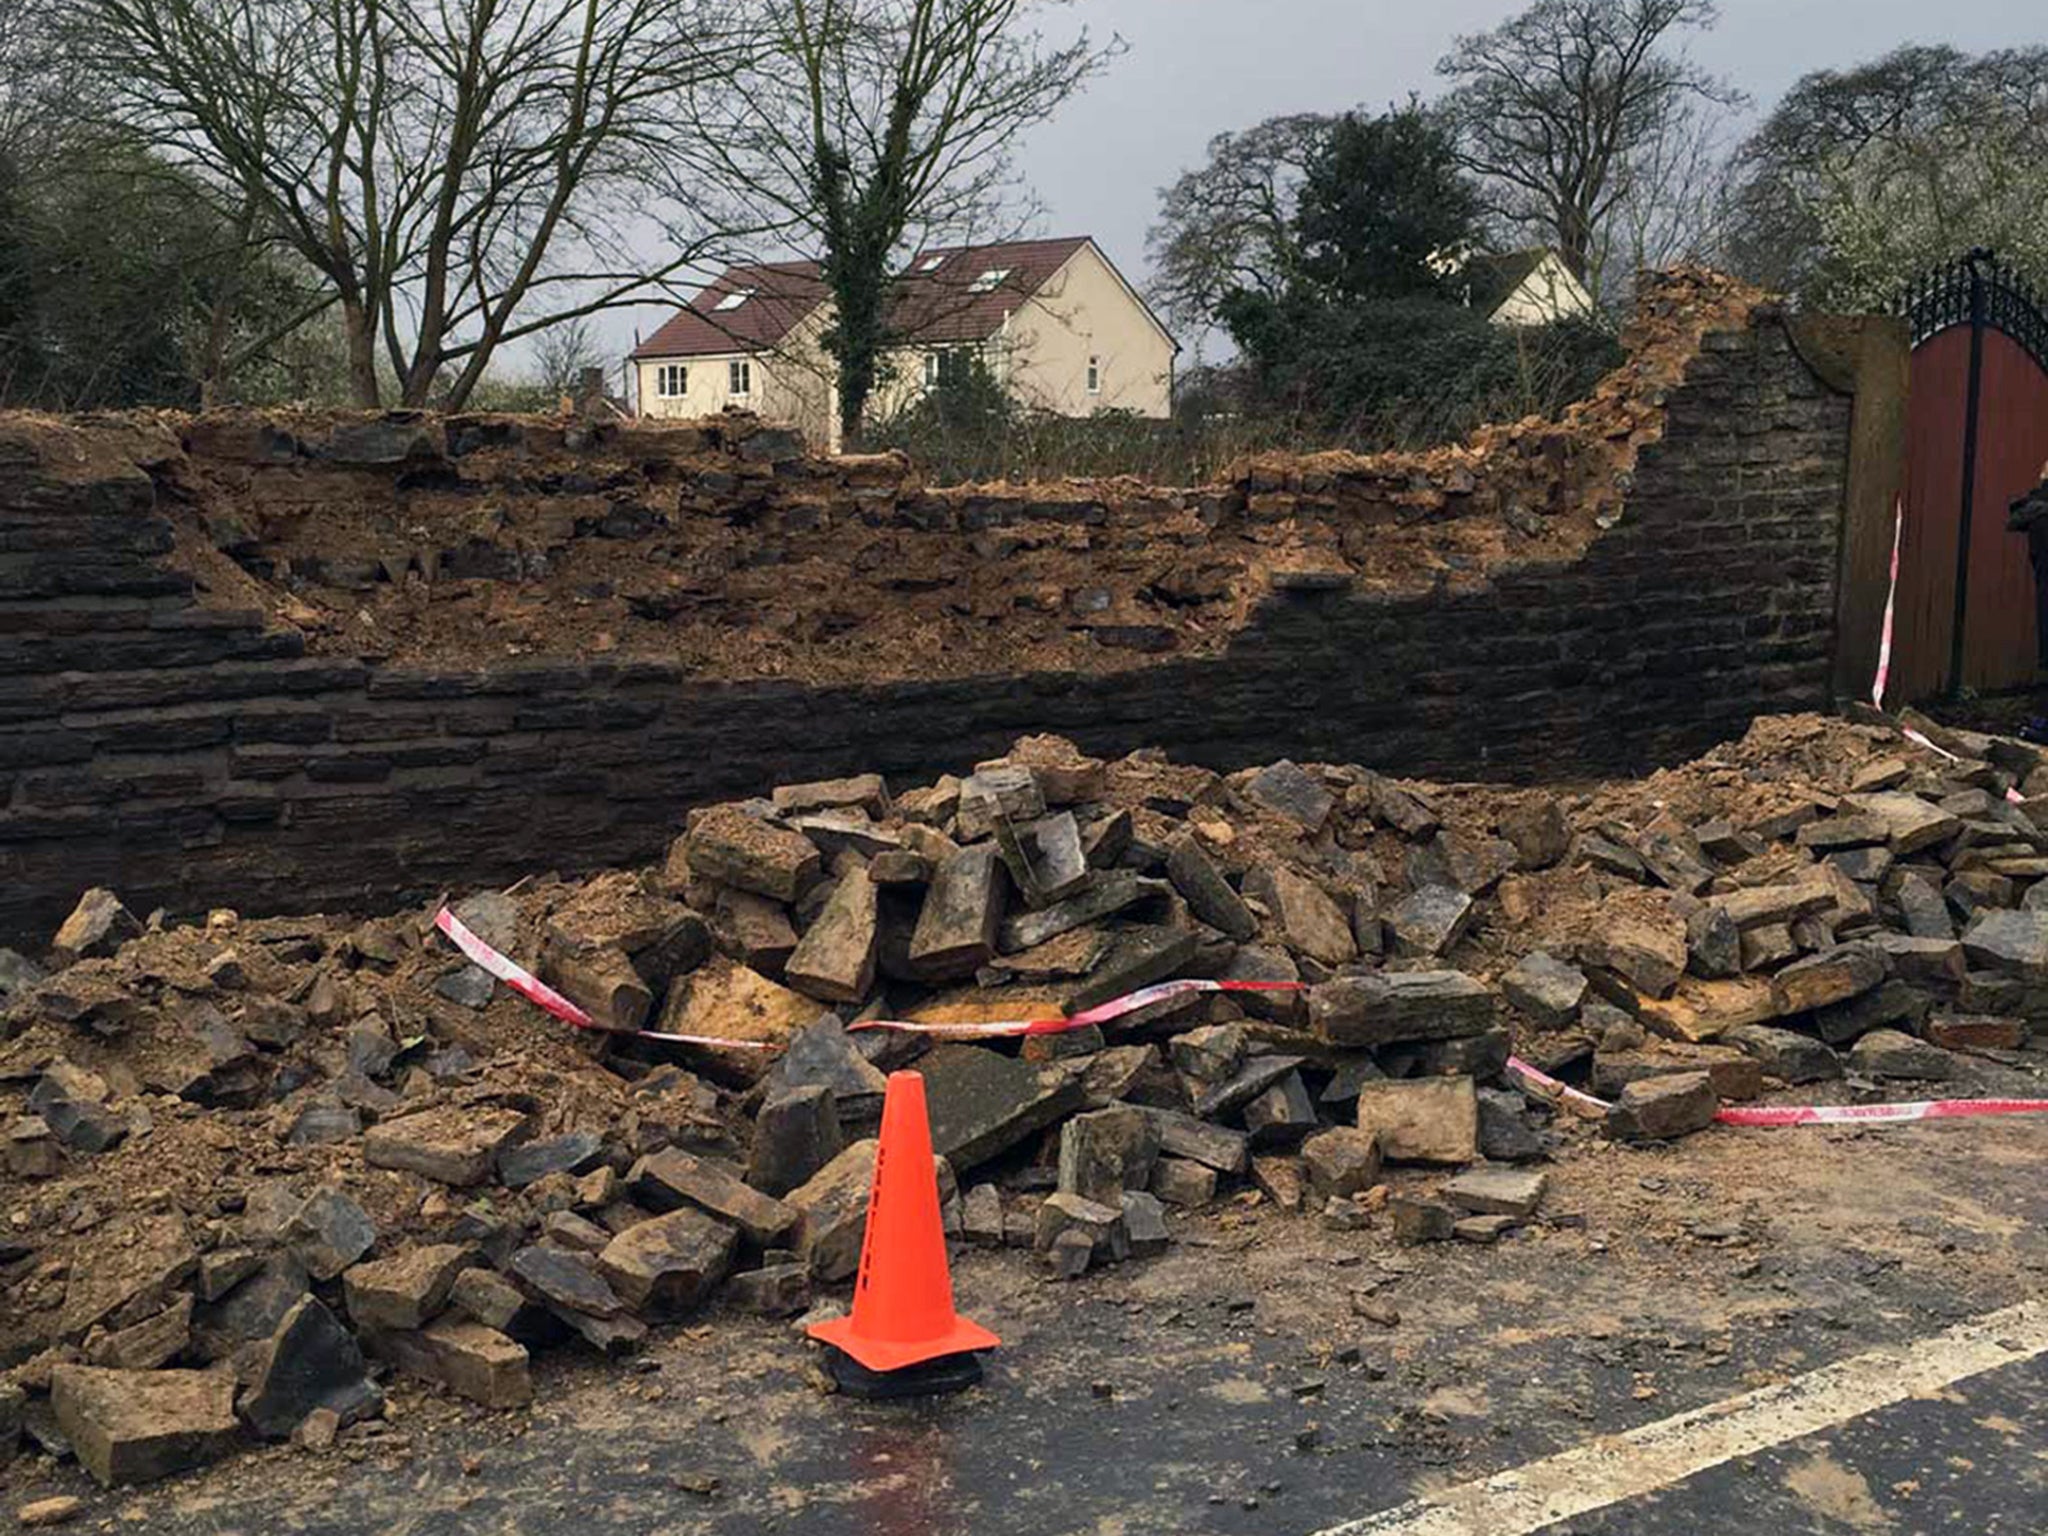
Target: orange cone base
(886,1355)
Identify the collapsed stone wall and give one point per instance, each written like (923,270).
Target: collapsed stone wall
(286,664)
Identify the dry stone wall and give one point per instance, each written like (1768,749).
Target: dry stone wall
(190,754)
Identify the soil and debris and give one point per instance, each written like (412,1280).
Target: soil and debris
(261,1173)
(719,544)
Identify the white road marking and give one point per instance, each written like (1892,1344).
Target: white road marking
(1616,1468)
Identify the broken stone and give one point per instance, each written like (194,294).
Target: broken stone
(1341,1162)
(1144,1224)
(97,928)
(1308,921)
(1483,1229)
(1401,1005)
(407,1290)
(663,1181)
(727,845)
(835,960)
(1000,792)
(1109,891)
(1976,1032)
(1430,1120)
(324,1123)
(69,1100)
(727,1001)
(1070,1254)
(866,792)
(604,984)
(1505,1134)
(778,1290)
(1186,1184)
(981,1216)
(1143,955)
(1714,942)
(1537,827)
(529,1162)
(329,1232)
(1212,1146)
(1890,1053)
(1066,775)
(823,1055)
(310,1362)
(2013,942)
(982,1102)
(569,1283)
(796,1133)
(1546,989)
(252,1310)
(958,923)
(1430,921)
(1910,822)
(1895,1003)
(1282,1115)
(670,1263)
(453,1145)
(1209,896)
(565,1229)
(465,1356)
(1107,1152)
(1833,976)
(1417,1220)
(1663,1108)
(1785,1054)
(1497,1192)
(1650,956)
(146,1346)
(1926,915)
(31,1149)
(489,1298)
(1101,1224)
(1286,790)
(1282,1181)
(137,1426)
(1045,858)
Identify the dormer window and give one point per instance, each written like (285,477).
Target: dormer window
(990,280)
(734,299)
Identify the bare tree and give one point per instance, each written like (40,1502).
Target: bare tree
(877,127)
(562,353)
(1862,178)
(1674,203)
(1228,227)
(1555,107)
(460,173)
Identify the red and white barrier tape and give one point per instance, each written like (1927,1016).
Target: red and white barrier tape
(1884,650)
(534,990)
(1102,1013)
(1771,1115)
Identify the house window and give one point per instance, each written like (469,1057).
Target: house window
(734,299)
(1094,375)
(931,264)
(740,376)
(947,367)
(990,280)
(672,381)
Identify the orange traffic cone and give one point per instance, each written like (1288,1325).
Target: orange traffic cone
(903,1317)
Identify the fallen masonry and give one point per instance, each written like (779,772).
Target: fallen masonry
(319,1156)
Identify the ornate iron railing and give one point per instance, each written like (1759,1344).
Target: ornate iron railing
(1978,289)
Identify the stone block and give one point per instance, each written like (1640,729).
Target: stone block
(137,1426)
(1424,1120)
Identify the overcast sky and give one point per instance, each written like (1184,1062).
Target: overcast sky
(1196,68)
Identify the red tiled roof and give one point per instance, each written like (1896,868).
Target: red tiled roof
(954,299)
(782,294)
(946,296)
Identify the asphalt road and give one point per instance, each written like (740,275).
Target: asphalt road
(1228,1388)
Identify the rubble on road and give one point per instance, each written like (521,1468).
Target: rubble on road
(254,1166)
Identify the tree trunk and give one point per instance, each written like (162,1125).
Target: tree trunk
(360,327)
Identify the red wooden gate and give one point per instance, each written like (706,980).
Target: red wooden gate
(1977,440)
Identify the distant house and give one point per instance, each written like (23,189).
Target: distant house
(1053,321)
(1532,287)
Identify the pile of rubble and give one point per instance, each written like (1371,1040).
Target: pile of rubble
(254,1166)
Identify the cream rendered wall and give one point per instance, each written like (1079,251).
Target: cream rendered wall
(1546,294)
(1084,311)
(791,386)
